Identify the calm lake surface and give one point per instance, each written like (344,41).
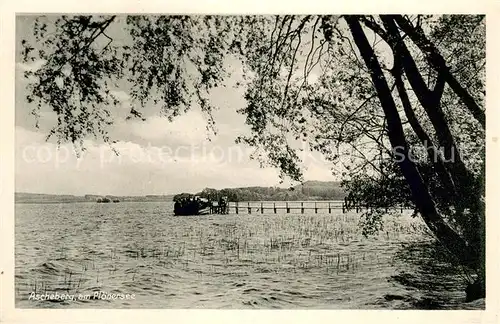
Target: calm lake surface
(226,261)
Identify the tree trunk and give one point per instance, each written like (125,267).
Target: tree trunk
(424,138)
(464,181)
(430,101)
(421,196)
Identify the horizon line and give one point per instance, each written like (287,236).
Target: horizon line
(164,194)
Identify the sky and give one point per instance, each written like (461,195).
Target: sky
(155,156)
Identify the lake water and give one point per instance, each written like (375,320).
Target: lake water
(224,261)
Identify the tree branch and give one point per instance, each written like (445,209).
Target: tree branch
(433,56)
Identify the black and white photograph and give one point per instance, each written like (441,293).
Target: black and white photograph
(197,161)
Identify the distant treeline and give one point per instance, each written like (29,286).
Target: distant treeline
(22,197)
(310,190)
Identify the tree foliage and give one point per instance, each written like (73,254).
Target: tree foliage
(309,190)
(397,100)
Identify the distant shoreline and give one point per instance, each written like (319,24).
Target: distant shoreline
(84,202)
(27,198)
(307,191)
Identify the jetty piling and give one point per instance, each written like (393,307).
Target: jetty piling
(236,207)
(316,206)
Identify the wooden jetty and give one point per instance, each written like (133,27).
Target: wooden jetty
(289,206)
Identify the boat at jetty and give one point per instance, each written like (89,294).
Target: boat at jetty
(187,204)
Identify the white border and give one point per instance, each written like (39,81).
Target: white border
(7,60)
